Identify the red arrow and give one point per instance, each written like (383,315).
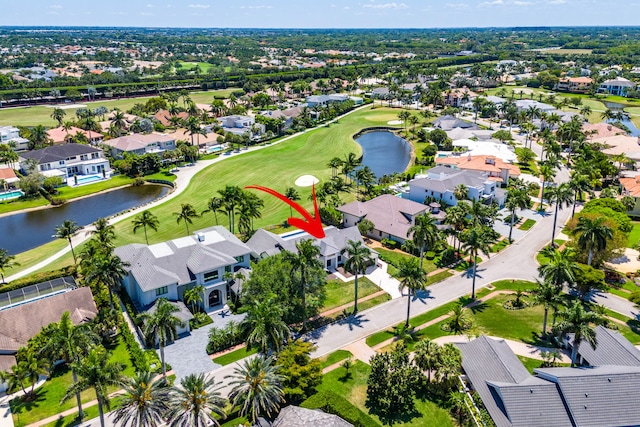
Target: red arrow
(311,225)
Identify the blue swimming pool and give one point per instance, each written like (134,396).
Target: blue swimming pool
(10,195)
(85,179)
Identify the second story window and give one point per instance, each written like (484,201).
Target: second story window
(212,275)
(162,291)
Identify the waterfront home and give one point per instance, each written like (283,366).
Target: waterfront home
(495,168)
(168,269)
(240,125)
(11,135)
(67,160)
(140,144)
(618,86)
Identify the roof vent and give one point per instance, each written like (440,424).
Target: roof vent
(609,379)
(586,395)
(200,237)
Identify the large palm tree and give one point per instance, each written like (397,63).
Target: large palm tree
(231,197)
(517,198)
(424,233)
(104,233)
(264,325)
(214,205)
(593,234)
(560,267)
(70,343)
(293,195)
(461,192)
(335,164)
(358,256)
(6,261)
(161,326)
(194,296)
(194,402)
(477,239)
(257,387)
(143,220)
(562,196)
(579,184)
(186,214)
(577,320)
(305,260)
(108,270)
(144,403)
(412,278)
(549,296)
(58,115)
(456,217)
(118,121)
(67,230)
(98,372)
(426,356)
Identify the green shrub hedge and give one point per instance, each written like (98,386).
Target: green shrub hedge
(39,278)
(334,404)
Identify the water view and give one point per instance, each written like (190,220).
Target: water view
(384,152)
(627,122)
(24,231)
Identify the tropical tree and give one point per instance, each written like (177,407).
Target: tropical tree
(6,261)
(593,234)
(349,164)
(358,257)
(456,217)
(231,197)
(460,320)
(108,270)
(161,327)
(214,205)
(424,233)
(143,220)
(413,278)
(118,121)
(30,366)
(104,233)
(461,192)
(335,164)
(577,320)
(144,402)
(194,296)
(186,214)
(579,184)
(549,296)
(264,325)
(517,198)
(96,371)
(547,173)
(562,196)
(256,387)
(302,262)
(560,267)
(426,356)
(475,240)
(67,230)
(293,195)
(58,115)
(194,402)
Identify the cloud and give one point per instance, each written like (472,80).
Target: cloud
(492,3)
(146,14)
(55,6)
(200,6)
(392,5)
(256,7)
(456,5)
(522,3)
(150,5)
(557,1)
(346,8)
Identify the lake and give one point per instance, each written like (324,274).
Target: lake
(615,106)
(384,152)
(23,231)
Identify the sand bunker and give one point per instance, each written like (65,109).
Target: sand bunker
(394,122)
(307,181)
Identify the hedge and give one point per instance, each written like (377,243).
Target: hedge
(334,404)
(39,278)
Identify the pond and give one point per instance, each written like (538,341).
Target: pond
(615,106)
(23,231)
(384,152)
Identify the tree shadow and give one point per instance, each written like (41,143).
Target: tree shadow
(19,406)
(478,307)
(353,321)
(391,419)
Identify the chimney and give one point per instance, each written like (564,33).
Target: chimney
(200,237)
(609,127)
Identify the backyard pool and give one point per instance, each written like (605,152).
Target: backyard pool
(10,195)
(86,179)
(214,149)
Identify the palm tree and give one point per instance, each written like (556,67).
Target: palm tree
(109,270)
(477,239)
(517,198)
(579,184)
(6,261)
(67,230)
(215,205)
(187,212)
(560,268)
(264,324)
(335,164)
(305,260)
(194,402)
(413,278)
(358,257)
(349,164)
(70,343)
(424,233)
(578,321)
(562,196)
(257,387)
(161,326)
(30,366)
(96,371)
(145,219)
(460,320)
(547,172)
(593,235)
(58,115)
(293,195)
(118,121)
(461,192)
(104,233)
(426,356)
(144,403)
(231,197)
(38,136)
(193,296)
(548,295)
(456,217)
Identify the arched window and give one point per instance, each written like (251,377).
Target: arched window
(214,298)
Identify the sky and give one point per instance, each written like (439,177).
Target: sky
(319,13)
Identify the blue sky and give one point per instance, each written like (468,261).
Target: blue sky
(320,13)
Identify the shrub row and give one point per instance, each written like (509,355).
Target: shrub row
(334,404)
(222,339)
(138,356)
(33,279)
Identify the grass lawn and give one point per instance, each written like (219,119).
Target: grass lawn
(20,204)
(354,389)
(634,235)
(394,258)
(500,245)
(527,224)
(335,357)
(631,330)
(84,190)
(41,115)
(340,293)
(47,402)
(234,356)
(89,413)
(438,277)
(279,166)
(532,364)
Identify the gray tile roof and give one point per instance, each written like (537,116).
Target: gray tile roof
(449,178)
(294,416)
(450,122)
(612,349)
(183,312)
(56,153)
(601,396)
(179,260)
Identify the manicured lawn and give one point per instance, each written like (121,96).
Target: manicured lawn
(439,277)
(500,245)
(354,389)
(89,413)
(634,235)
(631,330)
(163,175)
(532,364)
(83,190)
(47,402)
(234,356)
(335,357)
(20,204)
(394,258)
(340,293)
(527,224)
